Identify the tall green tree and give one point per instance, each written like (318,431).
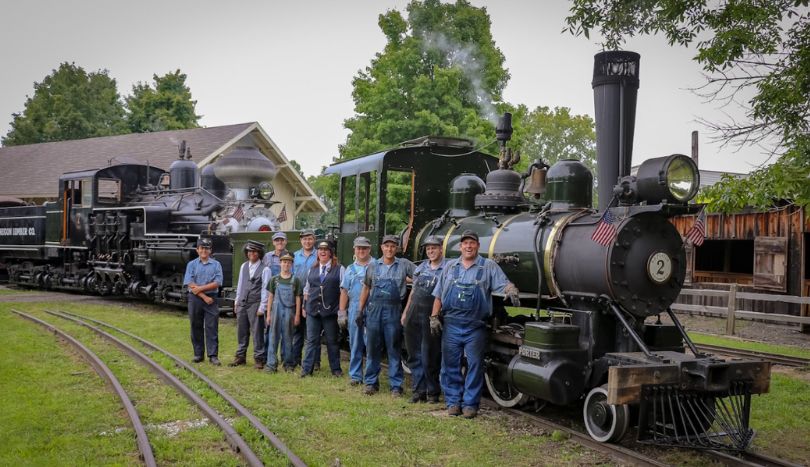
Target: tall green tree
(164,105)
(439,73)
(69,104)
(555,134)
(747,47)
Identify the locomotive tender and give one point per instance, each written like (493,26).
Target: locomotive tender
(130,229)
(596,332)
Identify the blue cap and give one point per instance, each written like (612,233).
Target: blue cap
(279,235)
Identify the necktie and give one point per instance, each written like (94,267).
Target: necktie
(323,272)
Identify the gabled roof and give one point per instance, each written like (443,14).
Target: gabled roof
(33,170)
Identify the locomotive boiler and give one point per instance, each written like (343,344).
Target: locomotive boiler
(600,281)
(130,229)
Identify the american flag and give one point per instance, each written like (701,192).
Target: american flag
(238,214)
(282,216)
(697,233)
(606,230)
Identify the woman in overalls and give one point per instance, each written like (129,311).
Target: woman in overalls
(424,349)
(383,291)
(463,295)
(284,302)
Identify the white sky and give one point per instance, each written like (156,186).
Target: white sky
(289,65)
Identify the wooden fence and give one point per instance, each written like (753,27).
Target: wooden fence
(731,313)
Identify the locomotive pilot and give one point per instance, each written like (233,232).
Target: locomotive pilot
(304,259)
(204,278)
(283,305)
(350,288)
(249,305)
(322,298)
(424,348)
(380,309)
(463,297)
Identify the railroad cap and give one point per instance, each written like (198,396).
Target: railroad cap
(205,243)
(432,240)
(306,233)
(390,239)
(362,242)
(278,235)
(253,245)
(469,234)
(286,257)
(325,245)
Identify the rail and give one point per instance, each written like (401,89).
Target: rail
(147,455)
(731,313)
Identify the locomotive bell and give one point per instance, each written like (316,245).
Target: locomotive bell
(243,168)
(537,181)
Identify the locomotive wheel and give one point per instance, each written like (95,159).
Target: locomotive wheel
(501,391)
(606,423)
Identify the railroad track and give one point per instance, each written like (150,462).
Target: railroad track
(774,358)
(232,436)
(750,459)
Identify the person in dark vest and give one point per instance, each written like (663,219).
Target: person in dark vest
(250,304)
(322,298)
(424,348)
(284,293)
(384,288)
(304,259)
(463,297)
(204,278)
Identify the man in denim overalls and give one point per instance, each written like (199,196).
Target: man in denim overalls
(350,288)
(303,261)
(384,289)
(283,304)
(463,296)
(424,348)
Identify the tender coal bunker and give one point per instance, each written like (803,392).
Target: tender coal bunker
(735,256)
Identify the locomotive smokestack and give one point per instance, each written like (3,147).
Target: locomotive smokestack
(615,87)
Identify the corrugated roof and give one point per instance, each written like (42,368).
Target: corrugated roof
(33,170)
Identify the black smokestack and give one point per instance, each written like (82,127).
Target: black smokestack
(615,87)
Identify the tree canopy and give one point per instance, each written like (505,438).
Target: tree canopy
(440,73)
(758,48)
(165,105)
(69,104)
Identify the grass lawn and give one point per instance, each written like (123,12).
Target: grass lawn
(322,419)
(788,350)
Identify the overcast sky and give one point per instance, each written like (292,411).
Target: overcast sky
(289,65)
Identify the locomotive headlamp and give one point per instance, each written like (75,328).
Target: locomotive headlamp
(265,191)
(674,179)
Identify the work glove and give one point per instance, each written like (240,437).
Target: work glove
(360,320)
(343,319)
(512,294)
(435,326)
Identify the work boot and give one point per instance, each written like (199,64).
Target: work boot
(258,365)
(396,392)
(370,390)
(214,361)
(238,361)
(355,382)
(454,411)
(469,412)
(270,369)
(304,374)
(418,397)
(337,374)
(197,359)
(432,398)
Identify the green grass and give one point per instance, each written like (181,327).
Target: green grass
(322,419)
(781,418)
(710,339)
(7,291)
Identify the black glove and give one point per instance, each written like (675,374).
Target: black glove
(435,326)
(360,321)
(513,295)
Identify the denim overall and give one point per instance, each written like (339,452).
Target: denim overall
(424,349)
(465,334)
(281,329)
(383,327)
(353,279)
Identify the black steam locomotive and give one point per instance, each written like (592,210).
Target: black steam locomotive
(130,229)
(599,280)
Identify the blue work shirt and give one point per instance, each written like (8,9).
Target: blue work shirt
(404,268)
(302,263)
(425,268)
(203,273)
(492,281)
(272,261)
(352,282)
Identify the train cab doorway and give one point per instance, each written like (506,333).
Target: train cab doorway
(75,203)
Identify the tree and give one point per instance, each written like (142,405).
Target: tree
(555,134)
(439,73)
(69,104)
(746,47)
(166,105)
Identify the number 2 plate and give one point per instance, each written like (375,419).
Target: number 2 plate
(659,267)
